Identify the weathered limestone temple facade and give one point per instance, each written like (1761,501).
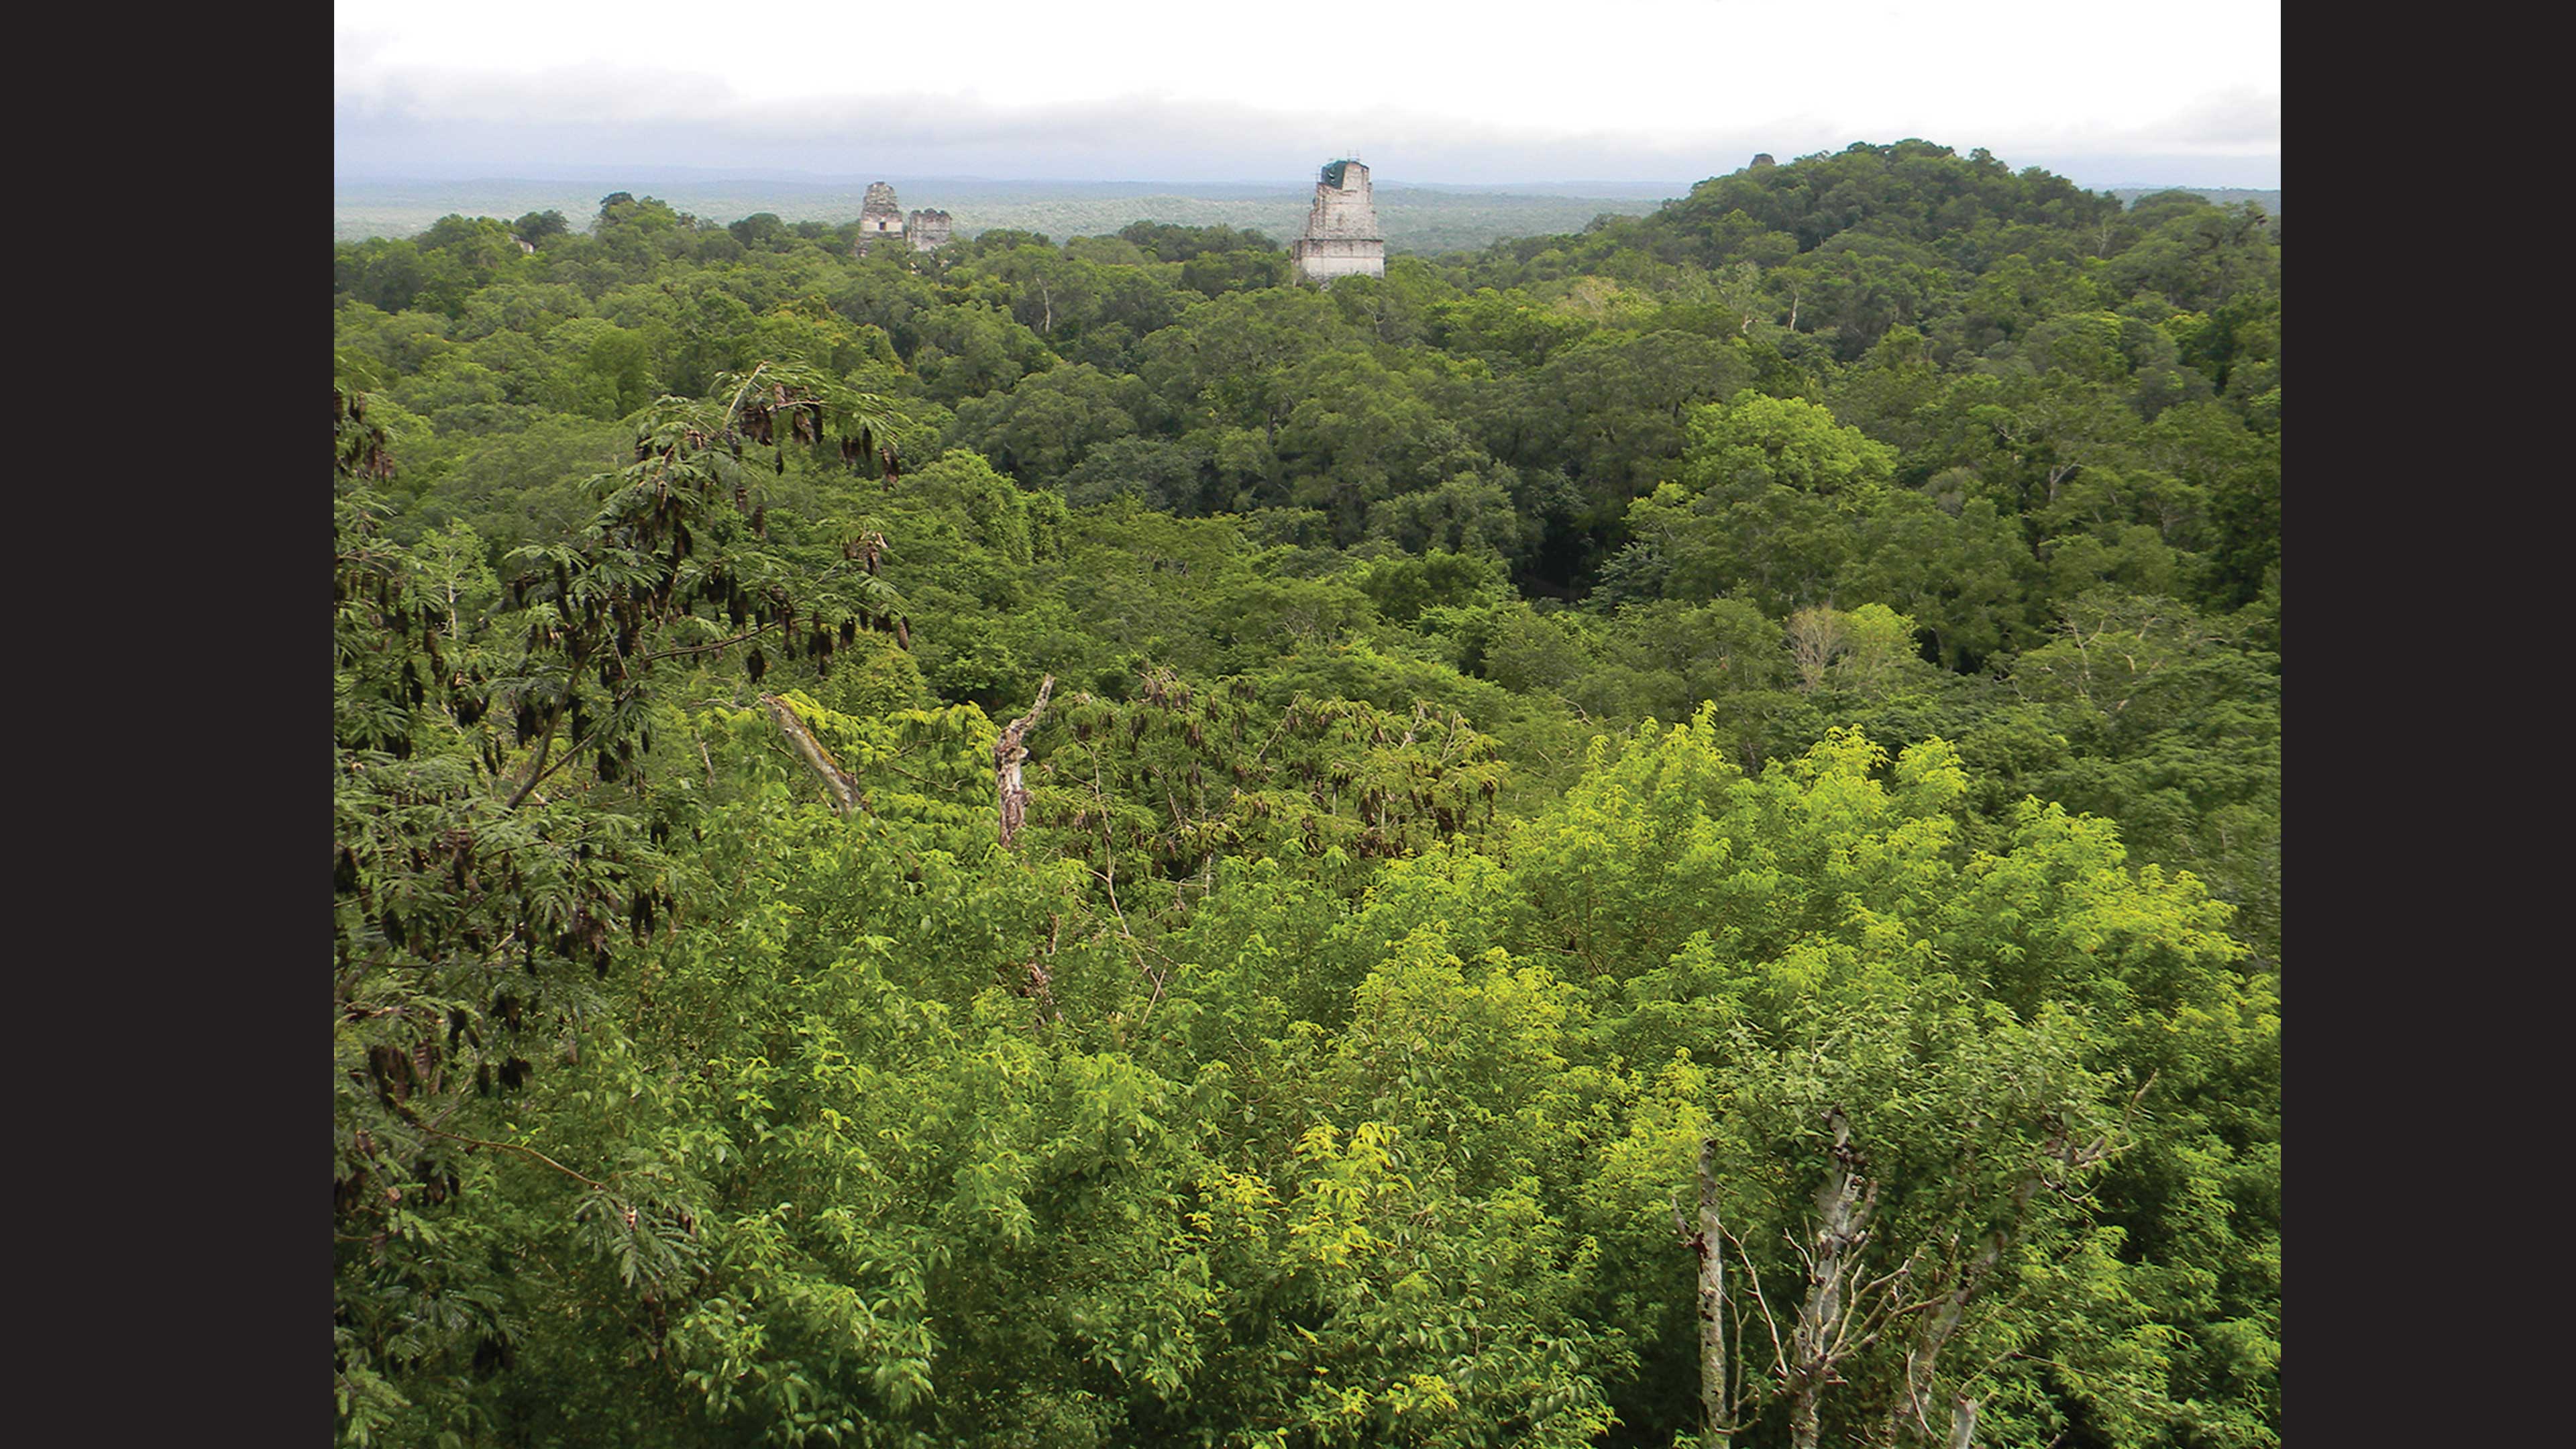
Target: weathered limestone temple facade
(882,220)
(930,230)
(1342,238)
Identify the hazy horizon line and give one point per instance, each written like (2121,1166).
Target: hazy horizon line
(545,174)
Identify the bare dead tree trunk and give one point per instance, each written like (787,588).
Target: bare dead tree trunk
(846,795)
(1710,1241)
(1821,1339)
(1009,753)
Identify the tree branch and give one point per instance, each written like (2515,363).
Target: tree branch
(514,1147)
(1779,1356)
(846,794)
(704,648)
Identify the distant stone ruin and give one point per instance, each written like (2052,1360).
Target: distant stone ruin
(1762,159)
(1342,237)
(930,230)
(880,219)
(882,222)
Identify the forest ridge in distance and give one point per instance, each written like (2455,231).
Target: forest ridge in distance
(1418,218)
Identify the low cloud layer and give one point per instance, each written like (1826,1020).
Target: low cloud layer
(469,125)
(1506,91)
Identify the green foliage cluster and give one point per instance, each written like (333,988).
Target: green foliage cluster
(1743,737)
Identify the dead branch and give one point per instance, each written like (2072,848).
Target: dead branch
(846,795)
(1779,1354)
(1009,753)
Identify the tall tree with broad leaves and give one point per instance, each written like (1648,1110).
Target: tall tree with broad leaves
(495,832)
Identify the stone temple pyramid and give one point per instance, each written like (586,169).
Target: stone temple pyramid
(1342,237)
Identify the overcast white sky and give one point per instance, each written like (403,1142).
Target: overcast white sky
(2184,92)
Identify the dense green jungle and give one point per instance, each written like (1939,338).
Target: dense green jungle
(1660,836)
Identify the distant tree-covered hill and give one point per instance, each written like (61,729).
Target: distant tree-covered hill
(1421,219)
(2215,195)
(1417,219)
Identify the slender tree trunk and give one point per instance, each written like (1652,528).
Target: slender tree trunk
(1710,1241)
(845,791)
(1009,753)
(1843,1207)
(1963,1422)
(1923,1358)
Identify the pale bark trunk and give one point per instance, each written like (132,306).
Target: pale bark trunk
(1009,753)
(1923,1357)
(1843,1206)
(1710,1241)
(844,790)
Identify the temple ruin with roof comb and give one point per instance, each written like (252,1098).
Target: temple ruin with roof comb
(882,223)
(1342,237)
